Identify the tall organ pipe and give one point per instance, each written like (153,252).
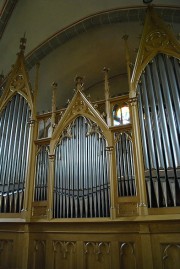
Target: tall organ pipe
(170,112)
(160,102)
(155,119)
(149,124)
(13,153)
(162,116)
(174,89)
(81,173)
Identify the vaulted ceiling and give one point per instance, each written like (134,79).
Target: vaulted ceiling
(79,37)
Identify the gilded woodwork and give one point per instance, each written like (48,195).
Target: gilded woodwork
(64,254)
(171,256)
(156,38)
(39,254)
(6,250)
(127,208)
(18,81)
(133,237)
(97,255)
(127,256)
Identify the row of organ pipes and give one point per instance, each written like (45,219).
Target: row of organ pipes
(81,183)
(159,114)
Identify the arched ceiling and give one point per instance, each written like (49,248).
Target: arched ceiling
(72,38)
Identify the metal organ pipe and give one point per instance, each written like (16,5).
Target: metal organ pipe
(13,154)
(124,164)
(170,112)
(160,90)
(81,176)
(162,116)
(42,167)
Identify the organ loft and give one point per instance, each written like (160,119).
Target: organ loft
(93,183)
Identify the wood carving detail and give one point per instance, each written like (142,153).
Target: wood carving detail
(127,255)
(99,248)
(127,209)
(171,256)
(65,247)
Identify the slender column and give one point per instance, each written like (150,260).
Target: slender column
(137,146)
(53,117)
(29,183)
(112,171)
(50,187)
(138,157)
(36,86)
(106,91)
(128,62)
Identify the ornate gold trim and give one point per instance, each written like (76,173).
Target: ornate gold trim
(156,38)
(18,81)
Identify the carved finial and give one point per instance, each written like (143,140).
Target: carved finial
(23,43)
(106,80)
(79,83)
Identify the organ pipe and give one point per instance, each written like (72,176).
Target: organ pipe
(160,130)
(14,147)
(41,176)
(81,187)
(125,165)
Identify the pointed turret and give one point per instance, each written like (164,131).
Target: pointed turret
(156,38)
(18,79)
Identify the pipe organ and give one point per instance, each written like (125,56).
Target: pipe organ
(94,185)
(14,153)
(81,186)
(125,165)
(159,113)
(41,176)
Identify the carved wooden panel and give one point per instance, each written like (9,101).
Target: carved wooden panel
(126,209)
(97,255)
(127,256)
(39,254)
(171,256)
(64,255)
(6,250)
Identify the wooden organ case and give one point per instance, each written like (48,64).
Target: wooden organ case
(95,185)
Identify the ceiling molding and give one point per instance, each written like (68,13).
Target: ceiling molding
(169,14)
(5,14)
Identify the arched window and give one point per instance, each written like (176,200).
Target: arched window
(121,114)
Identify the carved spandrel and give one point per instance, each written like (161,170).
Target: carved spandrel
(99,249)
(64,247)
(127,255)
(171,256)
(64,254)
(6,250)
(39,254)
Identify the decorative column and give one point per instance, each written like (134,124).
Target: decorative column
(29,185)
(137,145)
(53,116)
(106,91)
(128,63)
(50,189)
(138,158)
(111,155)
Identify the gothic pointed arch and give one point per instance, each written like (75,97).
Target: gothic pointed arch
(156,38)
(79,106)
(18,80)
